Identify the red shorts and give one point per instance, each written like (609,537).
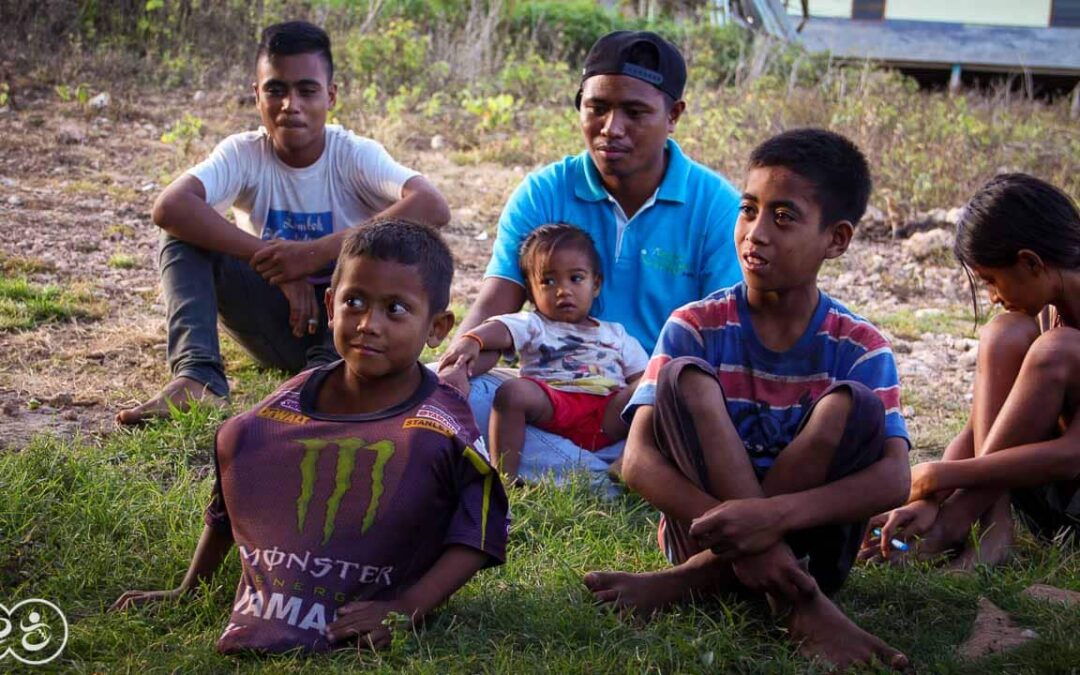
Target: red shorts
(577,416)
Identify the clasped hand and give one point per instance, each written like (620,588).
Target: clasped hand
(281,261)
(739,527)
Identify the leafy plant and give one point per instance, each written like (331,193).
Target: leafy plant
(184,132)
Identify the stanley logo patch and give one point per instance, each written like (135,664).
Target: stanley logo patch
(429,424)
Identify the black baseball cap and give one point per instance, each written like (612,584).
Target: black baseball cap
(640,54)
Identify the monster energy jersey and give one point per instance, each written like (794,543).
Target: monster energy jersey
(327,509)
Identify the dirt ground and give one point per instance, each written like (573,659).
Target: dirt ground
(77,184)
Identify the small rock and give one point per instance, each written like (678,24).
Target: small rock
(147,187)
(70,134)
(923,245)
(928,312)
(1053,594)
(199,96)
(438,142)
(969,358)
(14,200)
(101,101)
(482,236)
(7,182)
(69,415)
(993,632)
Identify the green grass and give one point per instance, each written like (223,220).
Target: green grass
(24,305)
(907,324)
(122,261)
(85,520)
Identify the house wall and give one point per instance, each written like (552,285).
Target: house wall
(993,12)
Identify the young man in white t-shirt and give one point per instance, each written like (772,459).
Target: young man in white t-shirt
(296,185)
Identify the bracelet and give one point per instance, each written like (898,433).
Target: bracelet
(472,336)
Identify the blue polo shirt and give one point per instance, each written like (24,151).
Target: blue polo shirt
(674,250)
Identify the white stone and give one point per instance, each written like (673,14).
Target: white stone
(438,142)
(101,101)
(922,245)
(199,96)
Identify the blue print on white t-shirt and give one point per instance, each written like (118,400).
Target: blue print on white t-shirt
(297,226)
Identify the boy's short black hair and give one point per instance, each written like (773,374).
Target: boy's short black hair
(835,166)
(408,243)
(296,37)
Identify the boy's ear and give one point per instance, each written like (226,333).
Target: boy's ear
(840,234)
(331,90)
(255,90)
(441,324)
(328,300)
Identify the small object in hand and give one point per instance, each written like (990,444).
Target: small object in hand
(896,543)
(312,325)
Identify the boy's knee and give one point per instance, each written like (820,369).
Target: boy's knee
(835,412)
(688,379)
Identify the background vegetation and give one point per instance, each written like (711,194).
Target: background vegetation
(495,80)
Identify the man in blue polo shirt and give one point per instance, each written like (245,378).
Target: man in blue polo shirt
(663,224)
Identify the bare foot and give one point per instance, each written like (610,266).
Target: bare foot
(181,392)
(643,594)
(824,632)
(992,546)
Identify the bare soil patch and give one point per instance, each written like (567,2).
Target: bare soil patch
(76,187)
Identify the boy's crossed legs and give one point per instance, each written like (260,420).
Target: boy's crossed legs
(711,497)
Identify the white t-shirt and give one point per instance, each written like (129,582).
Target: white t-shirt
(352,180)
(596,359)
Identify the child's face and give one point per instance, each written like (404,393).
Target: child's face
(566,286)
(779,235)
(380,317)
(1018,288)
(293,94)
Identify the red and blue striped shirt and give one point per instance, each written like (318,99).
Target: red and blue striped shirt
(768,392)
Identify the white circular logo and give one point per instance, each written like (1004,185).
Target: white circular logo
(34,631)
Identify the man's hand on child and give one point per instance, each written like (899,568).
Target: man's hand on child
(281,261)
(303,307)
(460,354)
(366,620)
(457,376)
(925,480)
(739,527)
(775,571)
(131,599)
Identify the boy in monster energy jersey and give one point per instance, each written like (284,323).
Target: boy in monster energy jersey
(359,488)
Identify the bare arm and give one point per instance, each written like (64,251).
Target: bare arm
(211,550)
(881,486)
(182,211)
(365,619)
(1023,466)
(497,296)
(282,261)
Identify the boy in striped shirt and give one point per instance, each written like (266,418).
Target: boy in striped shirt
(767,426)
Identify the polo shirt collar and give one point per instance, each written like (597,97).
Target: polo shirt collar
(672,187)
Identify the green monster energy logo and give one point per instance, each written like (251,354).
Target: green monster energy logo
(346,464)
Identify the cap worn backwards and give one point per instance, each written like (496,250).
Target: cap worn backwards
(643,55)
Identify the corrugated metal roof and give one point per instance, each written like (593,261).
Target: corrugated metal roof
(1047,51)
